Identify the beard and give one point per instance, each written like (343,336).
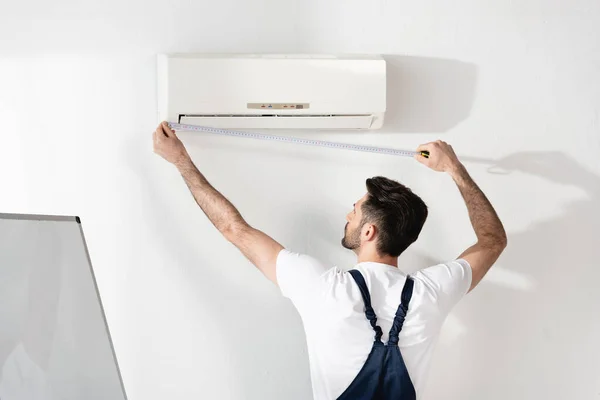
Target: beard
(351,240)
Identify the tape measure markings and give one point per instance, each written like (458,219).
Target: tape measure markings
(312,142)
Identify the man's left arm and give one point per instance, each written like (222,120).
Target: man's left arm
(256,246)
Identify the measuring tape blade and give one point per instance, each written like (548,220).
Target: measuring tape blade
(312,142)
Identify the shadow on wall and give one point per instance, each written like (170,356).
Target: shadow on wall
(426,94)
(534,327)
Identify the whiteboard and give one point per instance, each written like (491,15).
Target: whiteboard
(54,340)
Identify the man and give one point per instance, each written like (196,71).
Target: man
(343,311)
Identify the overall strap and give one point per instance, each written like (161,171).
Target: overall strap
(402,309)
(364,291)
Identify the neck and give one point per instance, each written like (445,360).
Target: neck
(374,257)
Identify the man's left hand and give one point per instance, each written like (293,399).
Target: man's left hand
(168,146)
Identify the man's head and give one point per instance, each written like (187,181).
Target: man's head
(388,217)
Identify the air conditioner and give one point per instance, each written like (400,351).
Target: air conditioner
(272,91)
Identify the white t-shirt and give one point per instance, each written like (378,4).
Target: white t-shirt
(339,336)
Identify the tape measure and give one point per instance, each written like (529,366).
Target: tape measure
(311,142)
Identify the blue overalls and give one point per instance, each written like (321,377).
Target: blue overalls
(384,375)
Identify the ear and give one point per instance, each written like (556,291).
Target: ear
(369,231)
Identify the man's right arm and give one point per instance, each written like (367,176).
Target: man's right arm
(491,237)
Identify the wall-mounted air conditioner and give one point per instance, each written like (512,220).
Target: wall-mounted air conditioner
(272,91)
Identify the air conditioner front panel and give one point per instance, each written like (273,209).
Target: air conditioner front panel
(230,85)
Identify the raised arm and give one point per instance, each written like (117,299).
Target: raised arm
(491,237)
(256,246)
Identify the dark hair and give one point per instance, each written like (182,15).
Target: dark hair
(396,211)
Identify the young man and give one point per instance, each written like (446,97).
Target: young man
(343,311)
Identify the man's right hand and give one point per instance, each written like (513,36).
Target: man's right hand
(441,156)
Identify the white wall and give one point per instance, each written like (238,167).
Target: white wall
(514,86)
